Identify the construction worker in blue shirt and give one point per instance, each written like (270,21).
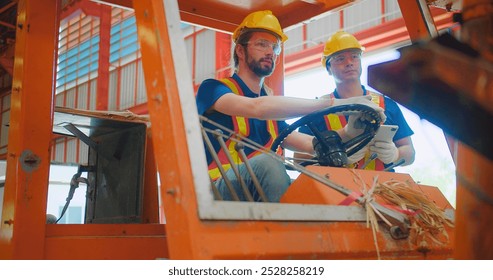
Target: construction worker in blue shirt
(342,60)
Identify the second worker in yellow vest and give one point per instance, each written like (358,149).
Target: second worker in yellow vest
(342,60)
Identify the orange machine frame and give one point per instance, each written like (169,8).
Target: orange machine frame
(24,233)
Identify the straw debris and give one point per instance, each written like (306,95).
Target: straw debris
(428,221)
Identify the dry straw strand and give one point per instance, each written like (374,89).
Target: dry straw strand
(428,221)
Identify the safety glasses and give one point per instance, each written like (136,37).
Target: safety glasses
(341,58)
(266,45)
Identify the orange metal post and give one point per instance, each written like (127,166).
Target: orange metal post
(223,55)
(474,205)
(417,15)
(124,4)
(150,211)
(169,135)
(22,234)
(104,57)
(474,176)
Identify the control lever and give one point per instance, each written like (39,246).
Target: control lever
(395,164)
(368,160)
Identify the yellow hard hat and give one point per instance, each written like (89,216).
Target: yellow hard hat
(340,41)
(261,20)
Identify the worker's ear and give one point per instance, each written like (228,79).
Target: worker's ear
(240,51)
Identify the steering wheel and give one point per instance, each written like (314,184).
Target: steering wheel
(372,121)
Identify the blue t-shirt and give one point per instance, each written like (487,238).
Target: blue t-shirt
(209,92)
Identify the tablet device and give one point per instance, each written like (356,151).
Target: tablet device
(386,133)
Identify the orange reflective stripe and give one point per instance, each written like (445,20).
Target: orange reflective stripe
(240,123)
(274,132)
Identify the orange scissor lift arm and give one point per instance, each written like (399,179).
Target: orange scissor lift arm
(197,226)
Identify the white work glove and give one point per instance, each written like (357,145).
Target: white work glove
(358,155)
(364,100)
(354,126)
(387,152)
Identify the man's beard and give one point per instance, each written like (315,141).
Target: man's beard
(257,68)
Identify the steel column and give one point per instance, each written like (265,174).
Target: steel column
(223,55)
(169,89)
(474,205)
(23,224)
(474,176)
(104,58)
(419,22)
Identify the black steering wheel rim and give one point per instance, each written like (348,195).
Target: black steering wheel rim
(352,145)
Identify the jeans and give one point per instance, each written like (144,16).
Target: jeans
(270,173)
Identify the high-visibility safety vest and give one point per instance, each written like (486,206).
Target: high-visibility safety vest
(336,122)
(241,127)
